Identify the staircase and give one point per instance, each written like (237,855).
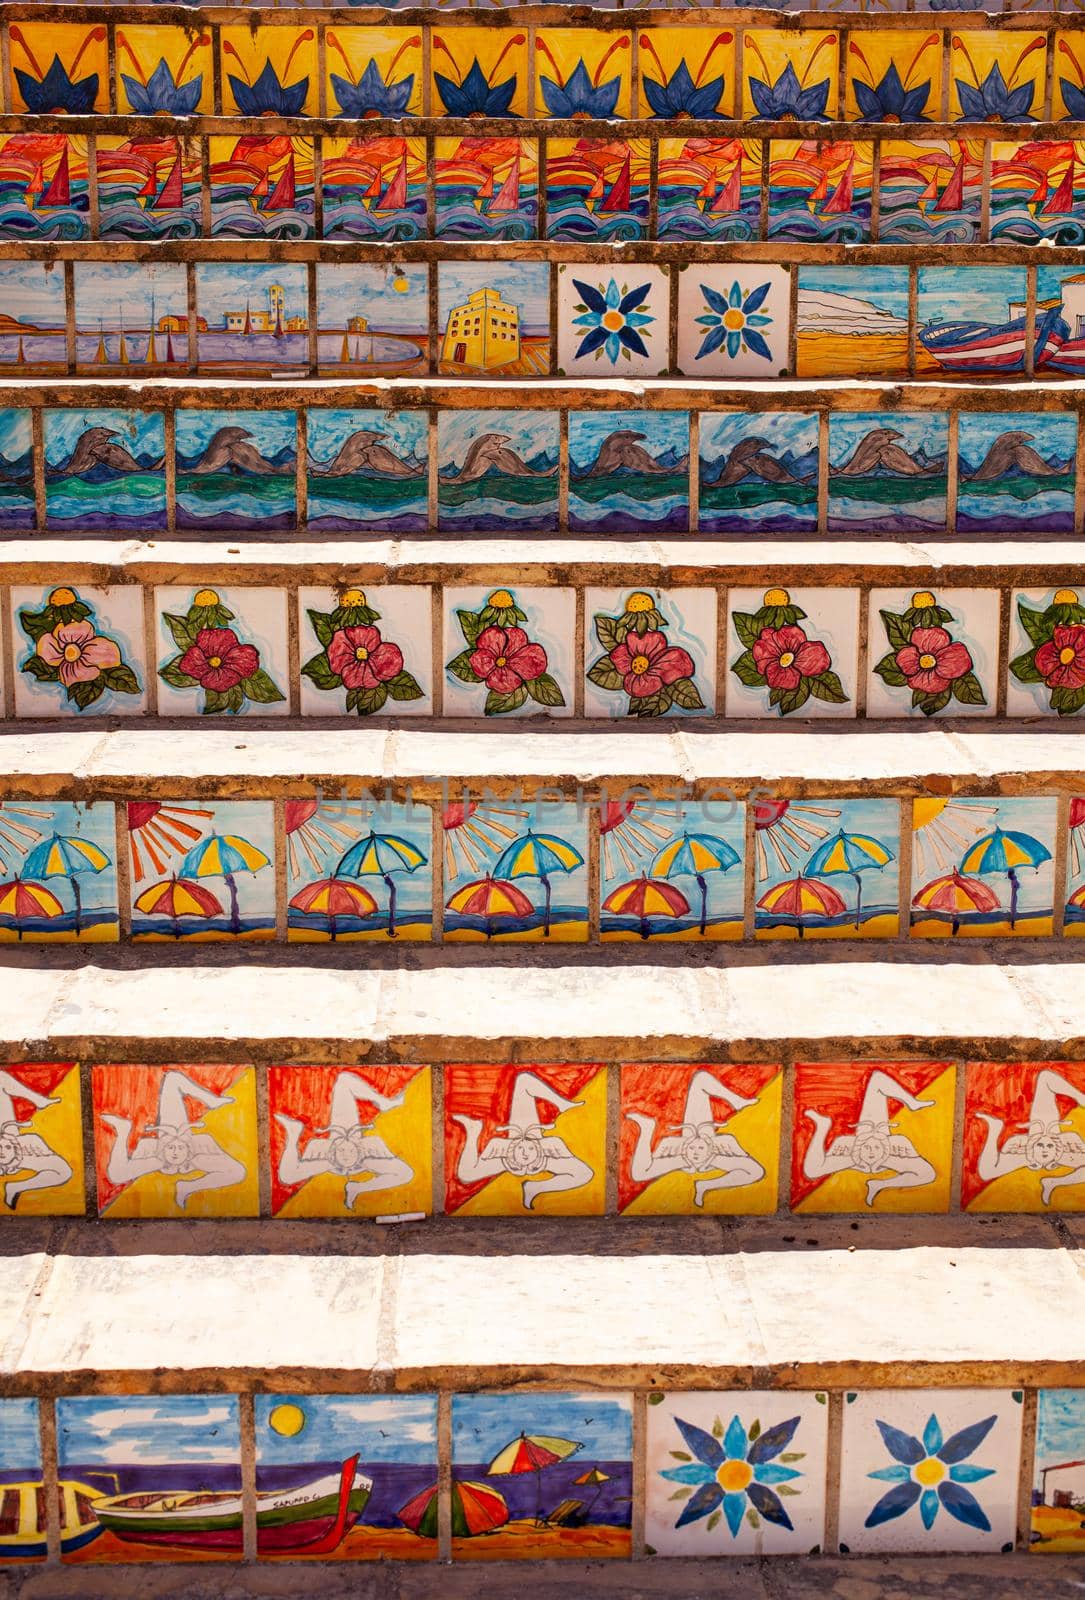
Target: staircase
(542,817)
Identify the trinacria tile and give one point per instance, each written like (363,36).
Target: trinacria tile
(1024,1137)
(41,1146)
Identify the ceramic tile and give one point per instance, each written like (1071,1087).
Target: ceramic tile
(1047,653)
(236,470)
(221,651)
(373,651)
(58,860)
(982,868)
(997,76)
(687,72)
(21,1465)
(888,472)
(158,1444)
(130,317)
(597,191)
(734,321)
(650,654)
(893,76)
(520,1140)
(709,189)
(699,1139)
(613,324)
(1068,88)
(851,321)
(820,193)
(58,66)
(166,71)
(515,871)
(44,191)
(253,318)
(1016,473)
(486,188)
(671,869)
(587,1440)
(350,1141)
(583,73)
(372,319)
(395,1436)
(41,1147)
(332,845)
(932,652)
(1074,910)
(374,188)
(373,72)
(479,72)
(261,187)
(1057,1490)
(629,471)
(493,317)
(1023,1144)
(32,293)
(736,1473)
(1060,317)
(930,192)
(175,1142)
(971,320)
(758,474)
(180,850)
(789,74)
(17,513)
(79,650)
(269,71)
(929,1470)
(826,869)
(497,471)
(795,652)
(1037,191)
(166,174)
(368,470)
(105,471)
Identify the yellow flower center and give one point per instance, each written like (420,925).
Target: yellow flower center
(734,318)
(639,601)
(777,597)
(733,1476)
(613,320)
(71,652)
(1066,655)
(352,597)
(361,654)
(502,599)
(929,1472)
(502,661)
(787,658)
(927,662)
(1066,597)
(214,661)
(62,597)
(639,664)
(922,600)
(206,597)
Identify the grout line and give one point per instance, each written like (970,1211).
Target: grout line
(247,1420)
(639,1466)
(50,1476)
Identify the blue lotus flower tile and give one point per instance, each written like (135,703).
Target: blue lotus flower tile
(613,323)
(734,321)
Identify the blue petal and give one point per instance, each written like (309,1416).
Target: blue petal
(590,296)
(968,1439)
(1074,99)
(709,322)
(734,297)
(735,1440)
(614,348)
(933,1438)
(701,1442)
(756,297)
(734,1509)
(772,1472)
(810,106)
(963,1505)
(756,344)
(734,343)
(638,319)
(595,340)
(968,1472)
(972,106)
(657,97)
(699,1505)
(614,298)
(773,1440)
(1019,103)
(694,1472)
(630,301)
(703,102)
(712,342)
(901,1446)
(928,1507)
(714,300)
(900,1498)
(769,1505)
(894,1474)
(555,99)
(632,341)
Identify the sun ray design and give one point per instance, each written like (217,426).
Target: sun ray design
(18,836)
(158,830)
(317,830)
(631,830)
(943,829)
(475,832)
(790,831)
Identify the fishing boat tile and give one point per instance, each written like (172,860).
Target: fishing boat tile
(826,869)
(924,1471)
(497,471)
(1016,473)
(350,1141)
(817,631)
(734,321)
(44,190)
(1023,1144)
(373,72)
(123,313)
(820,193)
(1044,677)
(543,1475)
(367,471)
(105,471)
(597,190)
(629,471)
(374,189)
(740,1473)
(162,1445)
(493,318)
(58,66)
(78,651)
(650,654)
(687,72)
(221,652)
(932,652)
(1056,1488)
(261,188)
(17,509)
(358,870)
(758,474)
(671,869)
(366,652)
(699,1139)
(515,871)
(852,321)
(789,74)
(583,73)
(201,871)
(991,298)
(613,324)
(269,71)
(149,194)
(1060,319)
(35,340)
(983,868)
(893,76)
(1074,912)
(305,1447)
(58,859)
(166,71)
(712,193)
(888,472)
(175,1141)
(486,188)
(236,470)
(372,319)
(41,1149)
(252,318)
(997,76)
(21,1474)
(930,192)
(479,72)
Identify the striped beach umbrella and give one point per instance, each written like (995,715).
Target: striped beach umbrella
(176,898)
(381,855)
(532,1452)
(853,853)
(955,895)
(490,898)
(1005,852)
(333,898)
(20,899)
(65,856)
(476,1508)
(537,855)
(221,855)
(796,898)
(696,854)
(644,897)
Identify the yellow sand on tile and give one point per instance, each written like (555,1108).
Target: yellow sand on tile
(406,1131)
(714,932)
(1059,1528)
(882,927)
(757,1130)
(234,1128)
(560,933)
(584,1131)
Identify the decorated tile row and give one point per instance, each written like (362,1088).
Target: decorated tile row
(528,319)
(485,870)
(545,1474)
(381,188)
(514,1141)
(925,72)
